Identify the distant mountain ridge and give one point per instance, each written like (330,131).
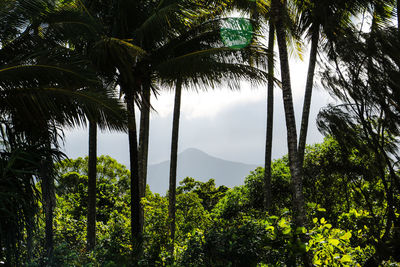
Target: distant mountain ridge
(195,163)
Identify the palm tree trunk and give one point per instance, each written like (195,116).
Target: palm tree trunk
(299,214)
(136,208)
(173,162)
(295,170)
(144,136)
(270,120)
(308,94)
(92,175)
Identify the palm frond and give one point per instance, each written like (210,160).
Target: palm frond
(66,107)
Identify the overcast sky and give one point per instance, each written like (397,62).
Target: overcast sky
(223,123)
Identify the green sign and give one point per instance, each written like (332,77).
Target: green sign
(236,33)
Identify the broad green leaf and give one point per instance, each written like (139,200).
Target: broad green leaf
(270,227)
(334,242)
(286,231)
(346,258)
(346,236)
(282,223)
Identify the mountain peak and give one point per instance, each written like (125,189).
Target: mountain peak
(195,163)
(192,150)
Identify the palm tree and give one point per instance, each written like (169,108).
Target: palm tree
(169,60)
(134,28)
(270,120)
(19,165)
(35,87)
(174,161)
(30,107)
(176,60)
(260,14)
(280,16)
(92,177)
(280,19)
(199,58)
(113,59)
(149,31)
(127,29)
(94,34)
(316,18)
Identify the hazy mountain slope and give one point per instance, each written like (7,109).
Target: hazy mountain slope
(201,166)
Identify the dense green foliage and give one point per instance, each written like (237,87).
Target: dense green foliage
(61,63)
(217,226)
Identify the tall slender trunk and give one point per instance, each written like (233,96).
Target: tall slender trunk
(295,170)
(144,135)
(308,94)
(92,176)
(136,208)
(173,162)
(299,214)
(48,195)
(270,120)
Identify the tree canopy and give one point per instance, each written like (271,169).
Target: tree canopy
(70,63)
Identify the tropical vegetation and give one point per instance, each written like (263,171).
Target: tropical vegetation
(70,63)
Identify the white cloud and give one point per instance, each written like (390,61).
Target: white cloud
(206,103)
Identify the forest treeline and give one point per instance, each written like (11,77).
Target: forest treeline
(220,226)
(69,63)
